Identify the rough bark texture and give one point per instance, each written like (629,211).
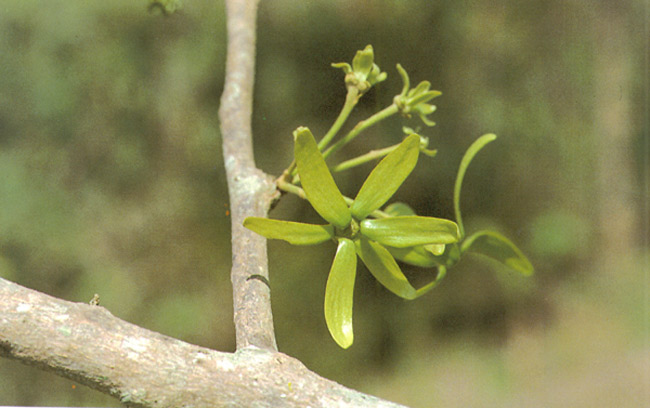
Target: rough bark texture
(141,368)
(250,190)
(146,369)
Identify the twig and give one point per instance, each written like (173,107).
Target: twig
(142,368)
(86,343)
(251,191)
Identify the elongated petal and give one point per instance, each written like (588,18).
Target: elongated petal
(424,109)
(295,233)
(376,76)
(362,62)
(421,96)
(499,248)
(344,66)
(405,79)
(421,88)
(426,121)
(436,249)
(386,178)
(339,294)
(383,267)
(317,181)
(399,208)
(410,230)
(422,256)
(417,256)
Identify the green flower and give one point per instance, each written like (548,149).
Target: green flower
(415,100)
(363,73)
(490,244)
(354,232)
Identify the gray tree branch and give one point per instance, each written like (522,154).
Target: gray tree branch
(250,190)
(142,368)
(146,369)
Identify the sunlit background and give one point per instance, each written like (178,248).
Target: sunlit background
(111,182)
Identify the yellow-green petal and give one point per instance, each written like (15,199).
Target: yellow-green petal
(410,230)
(317,181)
(339,294)
(295,233)
(383,267)
(499,248)
(386,178)
(399,208)
(363,61)
(436,249)
(416,255)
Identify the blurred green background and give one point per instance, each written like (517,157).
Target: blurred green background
(111,182)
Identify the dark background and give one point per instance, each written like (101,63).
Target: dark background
(111,182)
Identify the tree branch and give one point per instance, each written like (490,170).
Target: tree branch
(146,369)
(141,368)
(250,190)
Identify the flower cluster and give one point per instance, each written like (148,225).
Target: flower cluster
(359,228)
(415,100)
(354,231)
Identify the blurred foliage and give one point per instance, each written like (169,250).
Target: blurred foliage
(111,182)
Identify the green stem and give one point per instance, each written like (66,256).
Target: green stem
(291,188)
(292,169)
(442,271)
(361,126)
(365,158)
(351,100)
(464,163)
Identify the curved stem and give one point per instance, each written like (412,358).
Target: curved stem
(361,126)
(351,100)
(464,163)
(291,188)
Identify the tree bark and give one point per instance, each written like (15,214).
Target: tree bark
(250,190)
(141,368)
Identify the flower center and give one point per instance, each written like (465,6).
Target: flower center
(350,232)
